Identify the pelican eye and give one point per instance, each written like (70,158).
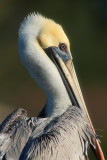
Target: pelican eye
(63,47)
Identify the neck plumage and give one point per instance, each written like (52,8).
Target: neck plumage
(41,68)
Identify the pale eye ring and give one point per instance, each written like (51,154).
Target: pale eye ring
(63,47)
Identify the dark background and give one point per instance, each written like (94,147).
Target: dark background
(85,23)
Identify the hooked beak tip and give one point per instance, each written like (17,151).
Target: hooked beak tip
(97,150)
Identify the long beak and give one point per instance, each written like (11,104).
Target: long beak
(70,74)
(75,93)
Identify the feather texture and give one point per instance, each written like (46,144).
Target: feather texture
(47,138)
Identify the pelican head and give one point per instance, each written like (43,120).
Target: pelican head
(45,52)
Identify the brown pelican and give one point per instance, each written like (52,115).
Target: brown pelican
(63,129)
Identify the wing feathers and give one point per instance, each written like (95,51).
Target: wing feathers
(45,138)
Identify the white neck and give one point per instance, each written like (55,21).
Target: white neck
(41,67)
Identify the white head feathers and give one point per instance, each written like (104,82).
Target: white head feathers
(37,33)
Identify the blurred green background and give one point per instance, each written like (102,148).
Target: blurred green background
(85,23)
